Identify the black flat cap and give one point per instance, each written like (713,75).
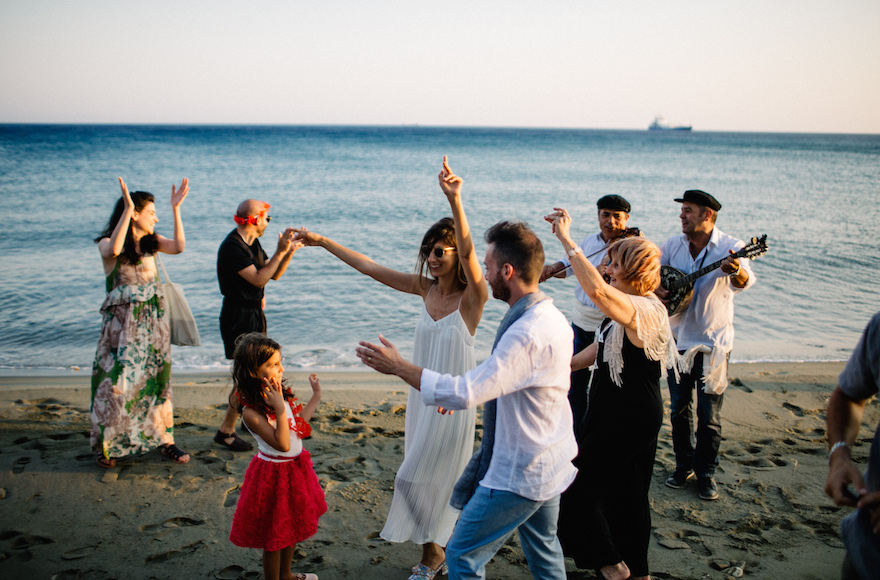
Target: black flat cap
(700,198)
(614,203)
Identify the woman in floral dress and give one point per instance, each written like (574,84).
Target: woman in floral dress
(131,379)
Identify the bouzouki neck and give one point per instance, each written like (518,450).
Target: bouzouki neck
(757,247)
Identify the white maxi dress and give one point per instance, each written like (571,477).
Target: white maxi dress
(436,447)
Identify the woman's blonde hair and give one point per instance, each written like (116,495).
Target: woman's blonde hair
(640,261)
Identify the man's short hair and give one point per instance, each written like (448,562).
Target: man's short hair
(516,244)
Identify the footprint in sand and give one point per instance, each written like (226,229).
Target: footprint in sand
(352,469)
(231,498)
(184,551)
(77,553)
(675,539)
(229,573)
(19,464)
(25,541)
(171,523)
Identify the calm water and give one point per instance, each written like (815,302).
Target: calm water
(375,190)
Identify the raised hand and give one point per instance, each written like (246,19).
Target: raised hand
(306,237)
(126,198)
(272,393)
(561,222)
(178,195)
(449,182)
(285,242)
(315,383)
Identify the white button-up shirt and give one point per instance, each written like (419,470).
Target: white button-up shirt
(587,315)
(709,318)
(528,373)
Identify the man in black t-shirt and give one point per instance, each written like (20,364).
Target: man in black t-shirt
(243,270)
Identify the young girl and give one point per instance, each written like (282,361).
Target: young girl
(281,499)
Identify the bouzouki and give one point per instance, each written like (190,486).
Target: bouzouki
(680,286)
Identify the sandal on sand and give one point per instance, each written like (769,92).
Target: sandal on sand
(105,462)
(237,443)
(305,576)
(174,453)
(422,572)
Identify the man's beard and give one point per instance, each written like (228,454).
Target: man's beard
(499,288)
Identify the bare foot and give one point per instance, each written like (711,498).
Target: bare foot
(618,571)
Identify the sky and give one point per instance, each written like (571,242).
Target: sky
(742,65)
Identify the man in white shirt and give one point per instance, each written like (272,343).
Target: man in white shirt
(704,334)
(524,462)
(613,213)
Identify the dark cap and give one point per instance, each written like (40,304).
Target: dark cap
(614,203)
(700,198)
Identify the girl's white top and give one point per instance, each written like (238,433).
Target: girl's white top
(268,452)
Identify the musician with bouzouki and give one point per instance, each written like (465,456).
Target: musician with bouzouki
(718,269)
(613,213)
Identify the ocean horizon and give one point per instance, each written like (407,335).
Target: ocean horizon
(374,189)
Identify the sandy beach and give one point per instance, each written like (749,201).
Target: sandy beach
(66,518)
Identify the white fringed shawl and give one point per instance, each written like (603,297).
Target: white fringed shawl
(652,325)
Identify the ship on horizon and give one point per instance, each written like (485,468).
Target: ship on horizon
(661,124)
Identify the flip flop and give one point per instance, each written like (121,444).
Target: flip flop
(237,444)
(302,576)
(174,453)
(105,462)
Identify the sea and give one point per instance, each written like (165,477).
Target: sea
(375,190)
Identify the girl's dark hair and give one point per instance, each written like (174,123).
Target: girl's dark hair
(442,231)
(149,243)
(252,350)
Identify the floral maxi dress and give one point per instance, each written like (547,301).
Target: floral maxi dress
(131,408)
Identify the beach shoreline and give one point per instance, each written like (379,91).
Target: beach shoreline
(149,518)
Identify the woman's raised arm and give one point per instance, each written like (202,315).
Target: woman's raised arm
(410,283)
(612,302)
(111,247)
(477,292)
(178,243)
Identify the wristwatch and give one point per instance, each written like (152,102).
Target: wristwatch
(574,251)
(735,273)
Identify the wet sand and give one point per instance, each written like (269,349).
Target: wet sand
(64,517)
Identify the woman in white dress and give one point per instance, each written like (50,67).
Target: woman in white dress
(438,444)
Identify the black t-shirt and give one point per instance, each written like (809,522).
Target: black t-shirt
(234,255)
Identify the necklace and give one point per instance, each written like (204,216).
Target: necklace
(439,312)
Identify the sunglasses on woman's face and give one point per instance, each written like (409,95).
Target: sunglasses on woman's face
(438,252)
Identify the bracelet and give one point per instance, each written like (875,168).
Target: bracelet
(837,446)
(574,251)
(735,274)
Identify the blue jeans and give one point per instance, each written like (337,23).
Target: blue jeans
(579,392)
(489,518)
(702,457)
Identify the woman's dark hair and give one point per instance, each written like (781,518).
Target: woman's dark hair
(252,350)
(442,231)
(149,243)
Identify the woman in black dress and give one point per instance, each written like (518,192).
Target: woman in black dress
(605,520)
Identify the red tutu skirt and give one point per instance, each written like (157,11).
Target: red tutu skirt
(279,504)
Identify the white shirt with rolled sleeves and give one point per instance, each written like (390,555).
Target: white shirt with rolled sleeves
(587,315)
(528,372)
(709,318)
